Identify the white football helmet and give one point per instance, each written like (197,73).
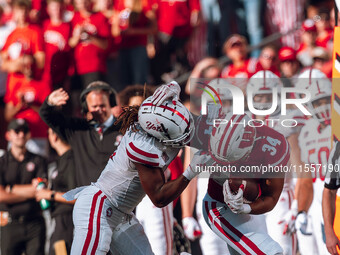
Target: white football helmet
(263,82)
(234,140)
(317,83)
(224,93)
(307,77)
(171,122)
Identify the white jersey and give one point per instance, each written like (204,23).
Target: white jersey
(120,180)
(287,125)
(291,123)
(315,147)
(315,144)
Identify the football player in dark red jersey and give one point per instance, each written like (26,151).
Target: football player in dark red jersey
(240,147)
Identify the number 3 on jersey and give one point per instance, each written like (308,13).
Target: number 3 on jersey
(271,146)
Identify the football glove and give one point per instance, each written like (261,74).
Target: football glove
(191,228)
(192,171)
(301,223)
(166,91)
(289,219)
(235,201)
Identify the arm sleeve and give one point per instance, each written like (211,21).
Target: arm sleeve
(139,151)
(71,178)
(62,125)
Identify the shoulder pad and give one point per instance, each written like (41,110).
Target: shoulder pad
(141,148)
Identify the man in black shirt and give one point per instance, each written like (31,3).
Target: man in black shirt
(19,169)
(62,179)
(92,139)
(332,184)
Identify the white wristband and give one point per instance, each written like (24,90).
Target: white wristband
(189,173)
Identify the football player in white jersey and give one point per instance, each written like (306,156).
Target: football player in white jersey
(157,222)
(332,185)
(315,144)
(102,215)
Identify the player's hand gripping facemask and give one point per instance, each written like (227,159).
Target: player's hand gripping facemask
(171,122)
(165,92)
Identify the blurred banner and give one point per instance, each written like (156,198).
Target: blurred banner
(336,111)
(336,86)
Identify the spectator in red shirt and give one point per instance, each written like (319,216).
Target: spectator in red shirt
(268,60)
(5,29)
(289,66)
(241,68)
(90,33)
(134,20)
(23,58)
(308,43)
(23,55)
(23,102)
(56,36)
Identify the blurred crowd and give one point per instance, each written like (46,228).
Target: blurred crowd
(46,45)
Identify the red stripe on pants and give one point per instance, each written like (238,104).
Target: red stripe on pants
(226,234)
(90,228)
(96,241)
(236,232)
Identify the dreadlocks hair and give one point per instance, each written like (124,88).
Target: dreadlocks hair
(128,117)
